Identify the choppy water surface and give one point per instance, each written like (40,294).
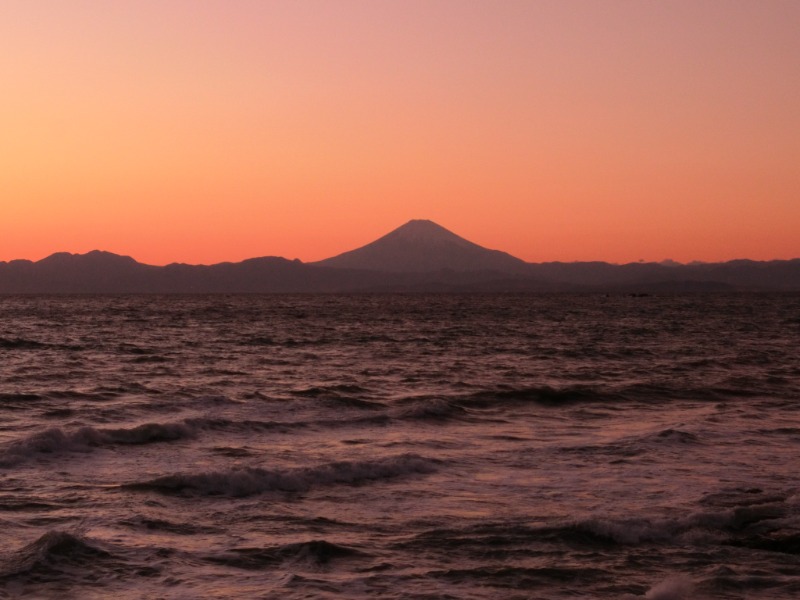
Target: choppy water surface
(400,447)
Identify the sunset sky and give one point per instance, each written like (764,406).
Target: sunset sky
(203,131)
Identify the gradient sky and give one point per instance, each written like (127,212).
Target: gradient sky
(209,130)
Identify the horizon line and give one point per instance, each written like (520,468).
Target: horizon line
(667,262)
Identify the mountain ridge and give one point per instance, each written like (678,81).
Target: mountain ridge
(419,256)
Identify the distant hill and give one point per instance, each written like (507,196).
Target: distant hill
(103,272)
(423,246)
(420,256)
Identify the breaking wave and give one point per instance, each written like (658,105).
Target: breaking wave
(52,550)
(767,525)
(58,441)
(677,587)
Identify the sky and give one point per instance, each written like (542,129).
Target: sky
(203,131)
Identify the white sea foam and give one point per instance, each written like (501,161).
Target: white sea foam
(677,587)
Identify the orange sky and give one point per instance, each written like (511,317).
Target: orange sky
(212,130)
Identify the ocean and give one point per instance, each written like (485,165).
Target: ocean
(400,446)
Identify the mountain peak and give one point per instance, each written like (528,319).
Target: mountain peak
(423,230)
(424,246)
(94,257)
(422,224)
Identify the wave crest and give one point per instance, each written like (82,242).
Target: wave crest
(312,553)
(50,550)
(248,481)
(58,441)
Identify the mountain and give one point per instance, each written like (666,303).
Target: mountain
(106,273)
(66,273)
(422,246)
(420,256)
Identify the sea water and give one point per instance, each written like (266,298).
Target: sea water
(400,446)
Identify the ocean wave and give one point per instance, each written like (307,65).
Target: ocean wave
(772,526)
(66,559)
(759,585)
(76,395)
(248,481)
(785,543)
(352,402)
(734,497)
(782,431)
(52,550)
(341,389)
(378,420)
(430,409)
(21,504)
(311,553)
(58,441)
(162,525)
(676,587)
(546,395)
(50,441)
(259,340)
(662,441)
(577,394)
(634,530)
(523,578)
(127,348)
(148,433)
(21,344)
(672,436)
(742,525)
(214,400)
(223,424)
(150,360)
(18,397)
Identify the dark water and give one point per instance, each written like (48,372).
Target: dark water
(400,447)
